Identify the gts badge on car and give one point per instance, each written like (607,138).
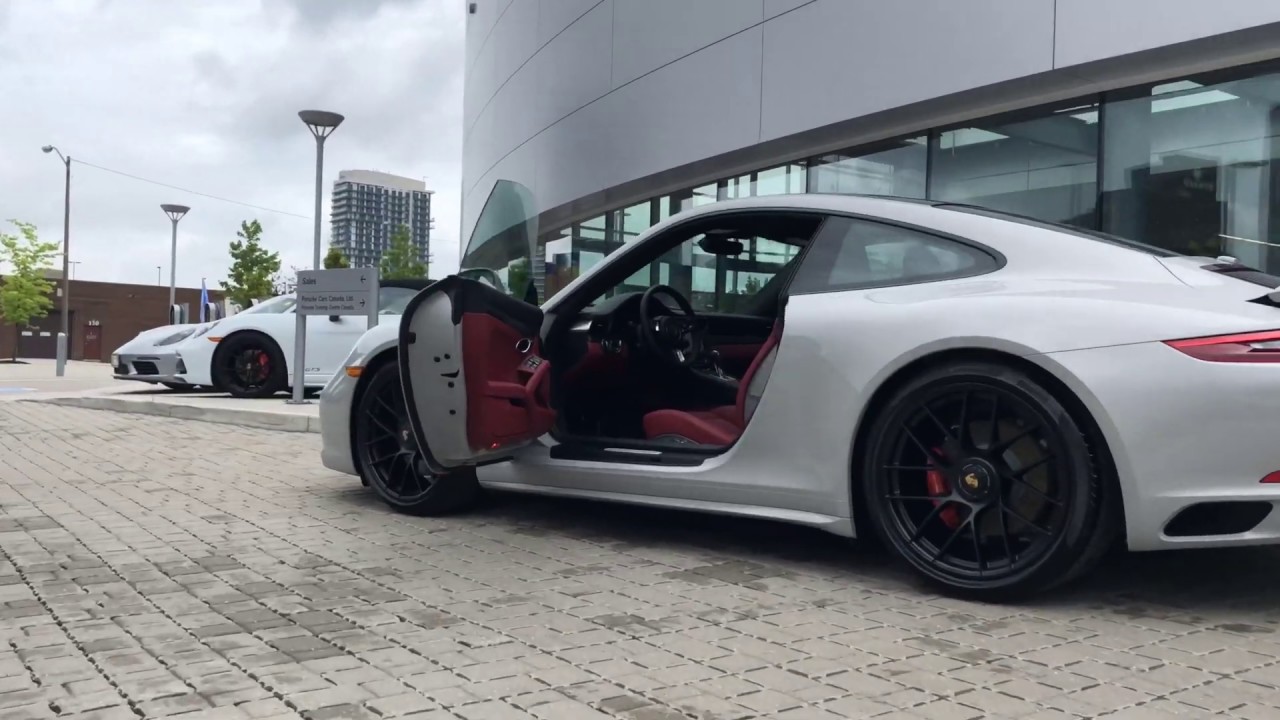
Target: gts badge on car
(314,370)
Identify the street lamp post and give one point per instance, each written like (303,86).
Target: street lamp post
(175,213)
(321,123)
(64,337)
(157,275)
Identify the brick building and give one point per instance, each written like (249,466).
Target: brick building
(104,316)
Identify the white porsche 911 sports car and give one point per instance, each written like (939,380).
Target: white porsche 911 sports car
(250,354)
(998,399)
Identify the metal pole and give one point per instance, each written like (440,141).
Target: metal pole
(315,264)
(300,321)
(173,269)
(64,346)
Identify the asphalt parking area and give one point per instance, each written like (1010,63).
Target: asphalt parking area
(154,567)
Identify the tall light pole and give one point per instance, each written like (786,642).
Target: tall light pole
(175,213)
(65,340)
(321,123)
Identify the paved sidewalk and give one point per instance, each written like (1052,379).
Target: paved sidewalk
(33,377)
(156,567)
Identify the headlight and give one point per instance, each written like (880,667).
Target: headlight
(203,329)
(115,360)
(175,338)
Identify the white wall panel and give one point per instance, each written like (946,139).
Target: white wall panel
(481,24)
(1095,29)
(777,7)
(556,15)
(642,128)
(514,39)
(838,59)
(574,70)
(648,34)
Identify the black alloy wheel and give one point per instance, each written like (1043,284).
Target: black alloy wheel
(984,483)
(249,366)
(388,458)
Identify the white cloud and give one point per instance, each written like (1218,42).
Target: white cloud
(204,96)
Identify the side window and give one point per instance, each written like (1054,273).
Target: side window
(851,254)
(717,283)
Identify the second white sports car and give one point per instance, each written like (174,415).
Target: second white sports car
(250,354)
(998,399)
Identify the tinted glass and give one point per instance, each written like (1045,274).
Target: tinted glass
(503,239)
(851,254)
(1191,165)
(393,300)
(898,170)
(1043,165)
(276,305)
(1060,227)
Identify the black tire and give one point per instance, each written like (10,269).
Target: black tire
(387,455)
(983,482)
(249,365)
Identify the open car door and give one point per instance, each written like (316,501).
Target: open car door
(474,382)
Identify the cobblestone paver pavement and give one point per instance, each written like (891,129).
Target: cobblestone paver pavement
(157,568)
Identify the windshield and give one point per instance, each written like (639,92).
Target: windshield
(276,305)
(393,300)
(502,246)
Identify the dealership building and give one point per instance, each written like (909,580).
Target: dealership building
(1157,120)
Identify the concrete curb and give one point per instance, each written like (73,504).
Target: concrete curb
(245,418)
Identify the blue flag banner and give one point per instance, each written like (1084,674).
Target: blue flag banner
(204,299)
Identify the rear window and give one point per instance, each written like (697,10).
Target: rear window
(1059,227)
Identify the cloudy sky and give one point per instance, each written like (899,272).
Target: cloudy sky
(204,96)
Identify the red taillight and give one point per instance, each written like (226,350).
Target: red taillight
(1254,347)
(1273,478)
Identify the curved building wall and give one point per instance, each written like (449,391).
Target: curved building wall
(593,104)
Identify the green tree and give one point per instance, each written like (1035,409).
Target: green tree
(335,259)
(24,296)
(252,266)
(402,260)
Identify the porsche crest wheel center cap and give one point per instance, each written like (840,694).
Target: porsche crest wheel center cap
(976,481)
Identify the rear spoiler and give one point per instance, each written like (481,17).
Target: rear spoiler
(1231,267)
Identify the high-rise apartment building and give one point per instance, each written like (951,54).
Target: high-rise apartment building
(367,208)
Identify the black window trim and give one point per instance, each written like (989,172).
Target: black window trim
(820,241)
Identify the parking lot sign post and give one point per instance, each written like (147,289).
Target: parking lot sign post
(331,293)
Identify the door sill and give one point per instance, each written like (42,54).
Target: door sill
(631,452)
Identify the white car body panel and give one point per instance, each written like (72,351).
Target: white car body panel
(1094,315)
(328,342)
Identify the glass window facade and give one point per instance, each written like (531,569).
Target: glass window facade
(1189,165)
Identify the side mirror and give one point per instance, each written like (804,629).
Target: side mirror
(335,318)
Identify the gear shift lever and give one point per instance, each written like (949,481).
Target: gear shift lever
(714,358)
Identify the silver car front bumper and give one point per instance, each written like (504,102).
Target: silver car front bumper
(149,368)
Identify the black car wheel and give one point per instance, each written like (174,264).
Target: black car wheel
(983,482)
(250,365)
(388,458)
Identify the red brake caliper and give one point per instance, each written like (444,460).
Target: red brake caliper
(938,485)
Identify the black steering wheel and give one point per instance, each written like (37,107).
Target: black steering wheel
(677,339)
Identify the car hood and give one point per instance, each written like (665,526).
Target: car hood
(146,340)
